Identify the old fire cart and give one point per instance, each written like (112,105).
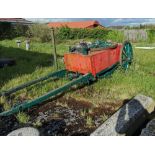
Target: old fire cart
(84,63)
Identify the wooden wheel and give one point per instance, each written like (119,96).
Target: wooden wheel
(126,55)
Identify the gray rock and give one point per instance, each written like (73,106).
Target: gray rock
(150,129)
(128,118)
(27,131)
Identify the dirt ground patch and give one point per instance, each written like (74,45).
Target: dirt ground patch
(63,116)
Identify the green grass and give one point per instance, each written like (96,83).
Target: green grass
(39,61)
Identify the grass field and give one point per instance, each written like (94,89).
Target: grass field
(139,79)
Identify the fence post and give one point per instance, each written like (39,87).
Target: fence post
(54,48)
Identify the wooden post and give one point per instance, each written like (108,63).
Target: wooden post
(54,47)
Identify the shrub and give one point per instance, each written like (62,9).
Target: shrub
(8,30)
(115,35)
(63,33)
(20,30)
(40,31)
(151,35)
(5,30)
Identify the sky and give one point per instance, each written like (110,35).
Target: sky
(103,21)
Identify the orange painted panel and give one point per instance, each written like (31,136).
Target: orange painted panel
(94,62)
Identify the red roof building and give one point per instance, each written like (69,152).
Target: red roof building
(79,24)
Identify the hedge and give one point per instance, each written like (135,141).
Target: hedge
(65,33)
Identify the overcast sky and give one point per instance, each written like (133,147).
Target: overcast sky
(103,21)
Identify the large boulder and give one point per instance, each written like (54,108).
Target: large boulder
(128,118)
